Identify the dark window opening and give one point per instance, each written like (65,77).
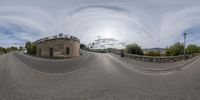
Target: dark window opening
(51,52)
(67,50)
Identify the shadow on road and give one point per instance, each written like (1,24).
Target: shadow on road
(51,66)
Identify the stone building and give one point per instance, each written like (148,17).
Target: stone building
(58,46)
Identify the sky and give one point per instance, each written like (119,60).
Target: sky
(149,23)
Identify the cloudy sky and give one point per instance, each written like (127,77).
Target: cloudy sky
(150,23)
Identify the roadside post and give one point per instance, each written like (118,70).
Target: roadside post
(185,35)
(122,53)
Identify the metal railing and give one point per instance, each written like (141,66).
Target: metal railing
(60,36)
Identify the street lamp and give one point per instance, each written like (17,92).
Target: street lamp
(185,34)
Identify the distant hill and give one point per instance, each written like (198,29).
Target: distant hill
(162,50)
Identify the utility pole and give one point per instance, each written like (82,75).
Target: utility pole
(185,35)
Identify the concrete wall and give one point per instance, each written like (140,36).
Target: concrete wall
(59,48)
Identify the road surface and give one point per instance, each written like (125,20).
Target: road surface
(93,76)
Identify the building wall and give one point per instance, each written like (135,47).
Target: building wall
(59,47)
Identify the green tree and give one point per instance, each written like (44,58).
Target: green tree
(134,49)
(175,50)
(20,48)
(31,48)
(192,48)
(13,48)
(153,53)
(83,46)
(7,50)
(28,47)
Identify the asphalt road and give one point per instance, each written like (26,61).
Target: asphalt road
(93,76)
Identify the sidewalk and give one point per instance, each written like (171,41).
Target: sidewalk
(149,66)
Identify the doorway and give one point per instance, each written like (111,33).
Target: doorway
(51,52)
(67,50)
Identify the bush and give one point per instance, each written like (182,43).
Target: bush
(199,50)
(153,53)
(6,50)
(134,49)
(2,50)
(175,50)
(192,48)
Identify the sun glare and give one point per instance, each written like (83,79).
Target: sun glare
(107,35)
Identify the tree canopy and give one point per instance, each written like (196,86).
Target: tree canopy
(175,50)
(192,48)
(31,48)
(83,46)
(134,49)
(8,49)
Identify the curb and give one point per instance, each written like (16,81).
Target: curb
(166,69)
(178,67)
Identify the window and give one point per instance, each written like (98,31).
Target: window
(67,50)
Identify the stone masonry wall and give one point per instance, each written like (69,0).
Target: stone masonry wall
(59,47)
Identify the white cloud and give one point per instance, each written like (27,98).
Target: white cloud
(150,23)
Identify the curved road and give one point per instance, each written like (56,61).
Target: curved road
(93,76)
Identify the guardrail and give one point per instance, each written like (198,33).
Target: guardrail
(162,59)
